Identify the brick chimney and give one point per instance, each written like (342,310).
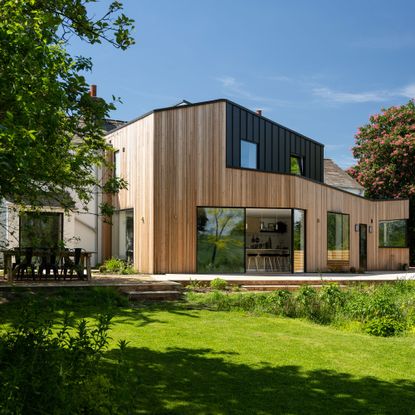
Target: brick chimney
(93,90)
(259,112)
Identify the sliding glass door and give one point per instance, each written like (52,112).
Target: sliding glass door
(258,240)
(220,240)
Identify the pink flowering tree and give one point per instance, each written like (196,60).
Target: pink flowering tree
(385,153)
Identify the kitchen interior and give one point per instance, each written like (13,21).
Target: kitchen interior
(268,240)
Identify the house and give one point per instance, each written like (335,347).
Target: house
(50,225)
(335,176)
(217,188)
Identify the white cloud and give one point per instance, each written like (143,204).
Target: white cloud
(344,97)
(408,91)
(349,97)
(391,41)
(238,90)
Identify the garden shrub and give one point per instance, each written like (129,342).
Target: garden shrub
(44,370)
(116,266)
(384,309)
(384,326)
(218,284)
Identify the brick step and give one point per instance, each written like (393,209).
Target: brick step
(165,295)
(275,287)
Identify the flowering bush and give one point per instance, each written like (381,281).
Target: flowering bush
(385,151)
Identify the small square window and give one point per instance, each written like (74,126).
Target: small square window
(248,155)
(296,165)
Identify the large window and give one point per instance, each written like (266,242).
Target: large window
(248,155)
(220,240)
(299,240)
(338,234)
(123,234)
(40,229)
(392,234)
(296,165)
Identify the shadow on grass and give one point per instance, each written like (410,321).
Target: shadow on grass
(86,302)
(188,381)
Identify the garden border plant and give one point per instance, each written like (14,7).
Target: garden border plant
(382,310)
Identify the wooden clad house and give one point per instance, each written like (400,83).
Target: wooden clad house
(217,188)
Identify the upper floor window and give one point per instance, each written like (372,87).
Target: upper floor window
(392,234)
(248,155)
(296,165)
(117,164)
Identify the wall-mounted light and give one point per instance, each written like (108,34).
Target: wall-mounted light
(142,219)
(356,227)
(370,229)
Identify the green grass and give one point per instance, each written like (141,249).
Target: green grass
(195,361)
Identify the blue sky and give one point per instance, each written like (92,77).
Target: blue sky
(318,67)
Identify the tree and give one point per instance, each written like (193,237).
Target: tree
(51,135)
(385,153)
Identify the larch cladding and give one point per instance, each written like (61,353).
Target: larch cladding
(189,156)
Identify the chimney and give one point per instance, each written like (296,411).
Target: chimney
(259,112)
(93,90)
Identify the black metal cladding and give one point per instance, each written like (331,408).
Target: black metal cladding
(275,143)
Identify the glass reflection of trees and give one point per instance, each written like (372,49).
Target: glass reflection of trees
(338,236)
(392,234)
(220,240)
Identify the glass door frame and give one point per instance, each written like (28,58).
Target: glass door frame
(245,225)
(292,241)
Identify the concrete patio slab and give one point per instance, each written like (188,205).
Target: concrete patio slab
(368,276)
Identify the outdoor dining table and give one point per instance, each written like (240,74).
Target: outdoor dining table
(8,254)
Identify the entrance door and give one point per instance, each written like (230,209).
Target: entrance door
(363,246)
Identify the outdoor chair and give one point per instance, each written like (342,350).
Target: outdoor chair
(22,269)
(48,263)
(73,265)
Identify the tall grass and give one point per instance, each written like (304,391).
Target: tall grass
(379,309)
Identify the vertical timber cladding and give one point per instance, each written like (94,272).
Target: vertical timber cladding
(135,141)
(275,143)
(190,169)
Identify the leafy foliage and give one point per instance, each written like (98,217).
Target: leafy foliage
(383,310)
(51,134)
(117,266)
(47,369)
(385,151)
(218,284)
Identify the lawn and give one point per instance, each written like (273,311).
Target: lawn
(195,361)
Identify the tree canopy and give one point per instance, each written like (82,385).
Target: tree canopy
(51,131)
(385,153)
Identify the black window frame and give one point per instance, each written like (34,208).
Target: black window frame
(256,158)
(301,163)
(406,233)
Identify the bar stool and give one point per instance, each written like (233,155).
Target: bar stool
(267,261)
(278,262)
(253,257)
